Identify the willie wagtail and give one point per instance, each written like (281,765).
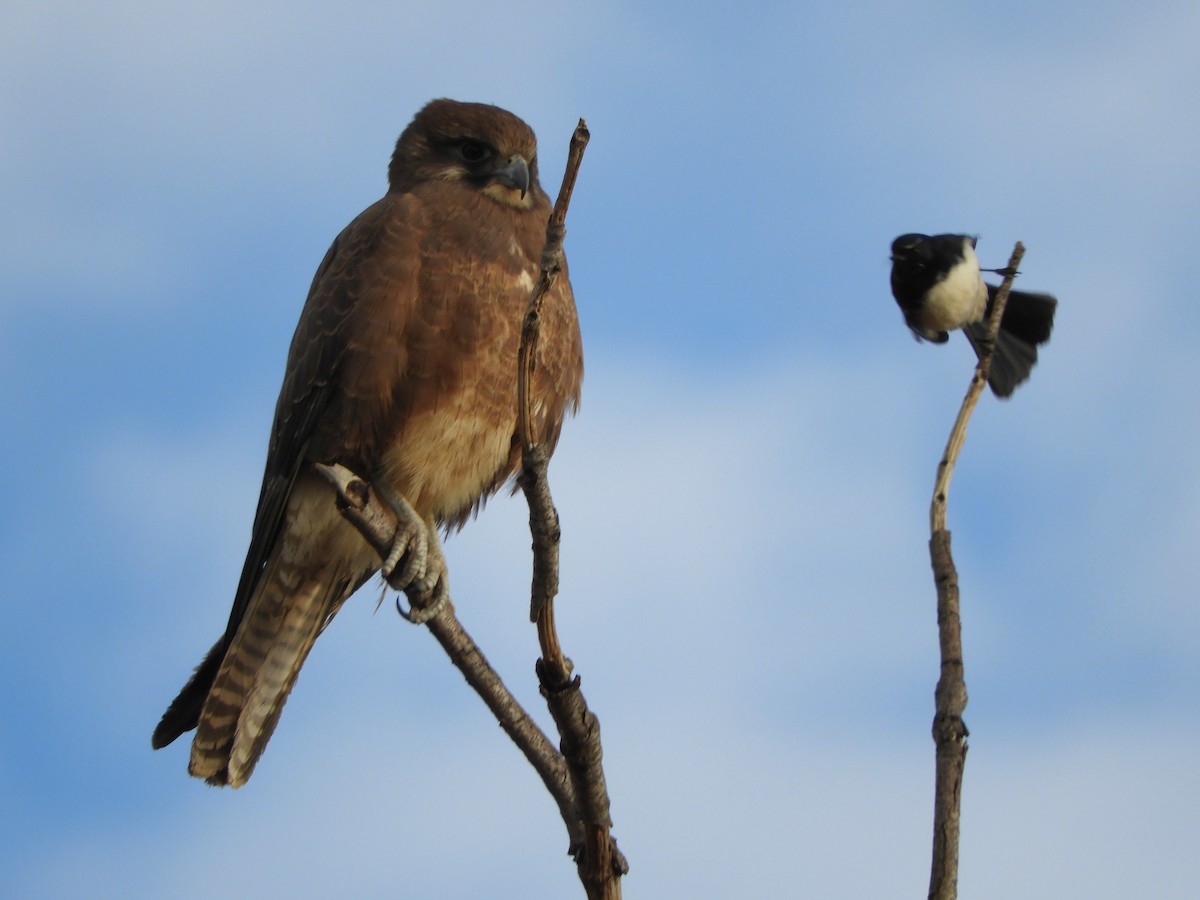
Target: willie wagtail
(937,282)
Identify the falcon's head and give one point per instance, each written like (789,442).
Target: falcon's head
(484,146)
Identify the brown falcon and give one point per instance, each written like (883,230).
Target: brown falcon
(403,368)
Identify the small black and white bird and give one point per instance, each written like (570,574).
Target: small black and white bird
(937,281)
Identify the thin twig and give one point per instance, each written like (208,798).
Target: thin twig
(543,518)
(950,697)
(599,862)
(958,434)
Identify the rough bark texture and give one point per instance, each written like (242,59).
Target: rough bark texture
(599,862)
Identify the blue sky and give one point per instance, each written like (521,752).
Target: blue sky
(746,587)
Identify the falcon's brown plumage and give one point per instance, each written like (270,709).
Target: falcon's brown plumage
(404,369)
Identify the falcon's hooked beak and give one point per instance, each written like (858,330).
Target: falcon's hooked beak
(514,173)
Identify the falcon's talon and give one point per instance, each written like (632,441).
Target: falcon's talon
(420,613)
(411,547)
(423,574)
(410,543)
(430,593)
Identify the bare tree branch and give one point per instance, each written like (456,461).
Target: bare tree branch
(599,862)
(950,698)
(543,518)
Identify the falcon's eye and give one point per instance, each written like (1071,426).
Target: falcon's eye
(472,152)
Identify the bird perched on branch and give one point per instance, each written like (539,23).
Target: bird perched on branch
(403,368)
(938,284)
